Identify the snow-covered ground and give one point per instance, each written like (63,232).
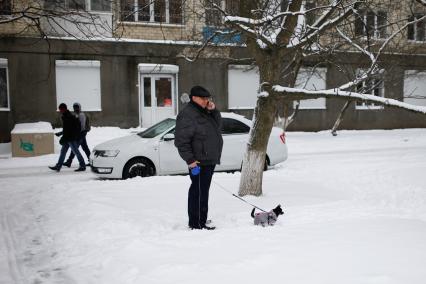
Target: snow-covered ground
(355,212)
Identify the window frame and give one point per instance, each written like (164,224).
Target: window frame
(376,31)
(225,119)
(87,6)
(4,64)
(378,85)
(408,92)
(213,13)
(314,74)
(133,9)
(235,100)
(413,28)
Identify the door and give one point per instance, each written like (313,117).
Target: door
(157,98)
(235,137)
(170,161)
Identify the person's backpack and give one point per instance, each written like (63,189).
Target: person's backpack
(87,125)
(76,124)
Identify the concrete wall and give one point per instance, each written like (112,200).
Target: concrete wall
(32,79)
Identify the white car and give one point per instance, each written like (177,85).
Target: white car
(152,152)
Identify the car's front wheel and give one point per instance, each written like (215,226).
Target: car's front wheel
(141,167)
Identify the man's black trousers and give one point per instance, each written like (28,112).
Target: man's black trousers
(198,196)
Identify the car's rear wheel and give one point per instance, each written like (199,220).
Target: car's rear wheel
(265,166)
(141,167)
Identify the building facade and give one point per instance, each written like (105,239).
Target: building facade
(127,63)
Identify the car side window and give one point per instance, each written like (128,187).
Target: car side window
(233,126)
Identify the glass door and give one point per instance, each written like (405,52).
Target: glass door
(157,98)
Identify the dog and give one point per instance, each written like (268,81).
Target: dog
(267,218)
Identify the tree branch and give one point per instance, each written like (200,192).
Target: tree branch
(301,94)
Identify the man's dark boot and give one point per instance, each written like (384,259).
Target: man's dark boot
(80,169)
(67,163)
(208,228)
(55,168)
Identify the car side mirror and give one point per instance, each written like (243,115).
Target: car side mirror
(168,137)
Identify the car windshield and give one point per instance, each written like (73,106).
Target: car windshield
(158,128)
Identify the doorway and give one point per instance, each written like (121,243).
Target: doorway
(158,89)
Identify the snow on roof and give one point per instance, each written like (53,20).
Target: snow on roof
(34,127)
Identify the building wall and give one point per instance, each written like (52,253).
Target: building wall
(32,80)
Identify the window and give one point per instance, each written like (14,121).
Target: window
(5,7)
(415,87)
(371,24)
(79,81)
(372,86)
(416,31)
(243,83)
(213,15)
(312,79)
(232,126)
(4,85)
(159,11)
(158,128)
(310,17)
(88,5)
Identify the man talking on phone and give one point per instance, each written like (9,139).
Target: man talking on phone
(199,141)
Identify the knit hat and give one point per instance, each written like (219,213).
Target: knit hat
(76,106)
(199,91)
(62,106)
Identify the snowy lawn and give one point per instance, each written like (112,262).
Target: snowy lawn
(355,212)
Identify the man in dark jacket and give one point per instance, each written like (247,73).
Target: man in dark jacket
(69,139)
(85,127)
(199,141)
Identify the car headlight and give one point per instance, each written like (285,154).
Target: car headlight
(106,153)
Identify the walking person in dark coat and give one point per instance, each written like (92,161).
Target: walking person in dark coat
(199,141)
(69,139)
(85,127)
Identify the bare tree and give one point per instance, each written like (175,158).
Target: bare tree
(281,36)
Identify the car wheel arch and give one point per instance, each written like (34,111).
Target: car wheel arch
(135,160)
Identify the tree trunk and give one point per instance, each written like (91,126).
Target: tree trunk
(340,118)
(255,155)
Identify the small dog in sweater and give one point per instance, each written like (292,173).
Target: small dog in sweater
(267,218)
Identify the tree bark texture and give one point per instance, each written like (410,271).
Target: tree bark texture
(255,155)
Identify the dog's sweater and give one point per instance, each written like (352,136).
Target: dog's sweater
(265,218)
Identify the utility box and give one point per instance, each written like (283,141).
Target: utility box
(32,139)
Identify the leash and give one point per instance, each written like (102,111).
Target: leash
(240,198)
